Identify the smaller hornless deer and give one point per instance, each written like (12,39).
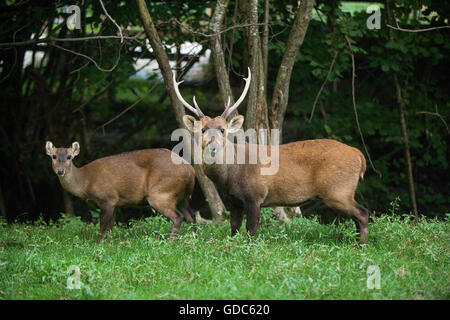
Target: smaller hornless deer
(321,168)
(127,179)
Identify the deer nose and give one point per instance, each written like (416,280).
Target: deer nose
(213,145)
(60,172)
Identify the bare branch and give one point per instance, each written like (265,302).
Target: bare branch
(323,85)
(437,115)
(52,39)
(216,31)
(89,58)
(94,96)
(113,21)
(354,106)
(129,107)
(417,30)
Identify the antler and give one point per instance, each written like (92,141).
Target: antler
(228,110)
(195,110)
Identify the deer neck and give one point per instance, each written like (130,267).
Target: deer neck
(220,173)
(73,181)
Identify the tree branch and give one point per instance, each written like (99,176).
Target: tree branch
(129,107)
(323,85)
(354,106)
(436,114)
(113,21)
(52,39)
(417,30)
(89,58)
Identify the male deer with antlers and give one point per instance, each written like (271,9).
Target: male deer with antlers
(323,168)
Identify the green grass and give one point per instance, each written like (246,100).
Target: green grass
(301,260)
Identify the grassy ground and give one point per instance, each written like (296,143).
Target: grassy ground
(302,260)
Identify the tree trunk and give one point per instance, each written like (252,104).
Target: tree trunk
(223,81)
(265,44)
(398,91)
(216,206)
(256,115)
(209,190)
(409,169)
(281,90)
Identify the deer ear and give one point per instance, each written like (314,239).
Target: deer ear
(235,124)
(75,149)
(49,148)
(189,122)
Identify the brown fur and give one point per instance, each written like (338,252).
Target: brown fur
(127,179)
(323,168)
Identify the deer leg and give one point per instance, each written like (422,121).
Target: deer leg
(362,223)
(253,211)
(236,217)
(189,214)
(106,221)
(358,213)
(176,223)
(166,206)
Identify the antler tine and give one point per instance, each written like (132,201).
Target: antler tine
(196,110)
(200,113)
(228,110)
(228,103)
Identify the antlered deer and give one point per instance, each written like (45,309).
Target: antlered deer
(323,168)
(126,179)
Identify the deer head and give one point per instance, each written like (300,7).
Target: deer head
(213,131)
(62,157)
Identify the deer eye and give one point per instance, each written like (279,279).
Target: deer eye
(69,157)
(54,156)
(203,130)
(222,130)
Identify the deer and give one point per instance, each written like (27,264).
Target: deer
(310,169)
(128,178)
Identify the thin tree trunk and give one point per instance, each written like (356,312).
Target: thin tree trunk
(265,44)
(257,111)
(398,91)
(217,54)
(215,203)
(281,90)
(251,17)
(409,169)
(209,190)
(161,57)
(257,115)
